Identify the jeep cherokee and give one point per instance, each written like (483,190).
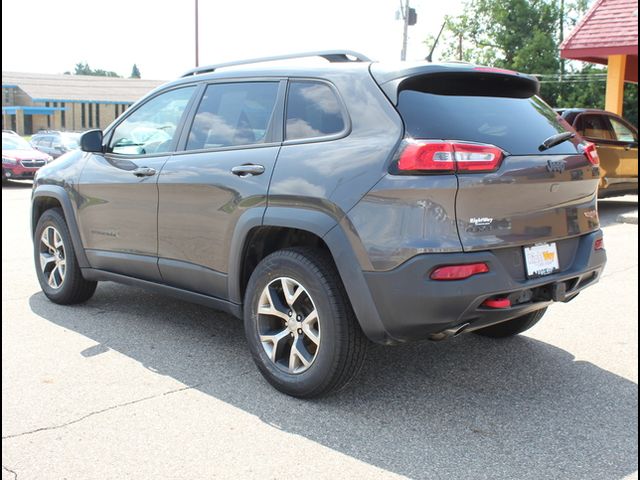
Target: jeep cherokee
(330,203)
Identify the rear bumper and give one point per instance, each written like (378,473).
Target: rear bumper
(414,307)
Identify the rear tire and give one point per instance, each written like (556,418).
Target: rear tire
(56,264)
(300,327)
(512,327)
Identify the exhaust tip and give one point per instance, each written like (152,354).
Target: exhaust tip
(449,332)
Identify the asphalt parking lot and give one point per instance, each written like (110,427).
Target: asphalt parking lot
(136,385)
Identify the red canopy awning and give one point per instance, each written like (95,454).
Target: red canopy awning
(609,28)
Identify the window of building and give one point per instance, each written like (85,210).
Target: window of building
(233,114)
(313,110)
(83,116)
(91,115)
(97,115)
(63,121)
(151,127)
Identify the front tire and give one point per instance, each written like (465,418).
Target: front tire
(512,327)
(56,264)
(300,327)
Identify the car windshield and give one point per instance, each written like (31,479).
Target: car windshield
(71,140)
(13,142)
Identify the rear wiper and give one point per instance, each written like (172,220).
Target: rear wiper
(556,140)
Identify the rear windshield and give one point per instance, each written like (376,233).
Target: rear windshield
(517,125)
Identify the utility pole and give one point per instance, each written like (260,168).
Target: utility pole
(405,17)
(197,54)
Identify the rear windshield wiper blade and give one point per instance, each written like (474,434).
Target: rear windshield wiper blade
(556,140)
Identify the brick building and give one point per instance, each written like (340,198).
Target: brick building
(36,101)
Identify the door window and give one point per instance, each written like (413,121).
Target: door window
(623,133)
(313,110)
(233,114)
(595,126)
(152,127)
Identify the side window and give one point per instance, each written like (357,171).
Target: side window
(44,142)
(595,126)
(313,110)
(623,133)
(233,114)
(152,127)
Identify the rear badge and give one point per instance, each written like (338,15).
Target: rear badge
(556,165)
(481,221)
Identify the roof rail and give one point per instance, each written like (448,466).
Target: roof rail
(333,56)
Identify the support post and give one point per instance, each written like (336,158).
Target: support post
(615,83)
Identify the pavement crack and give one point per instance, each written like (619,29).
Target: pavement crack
(621,270)
(15,475)
(97,412)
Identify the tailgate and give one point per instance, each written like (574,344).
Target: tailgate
(536,185)
(530,199)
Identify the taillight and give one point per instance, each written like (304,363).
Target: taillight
(458,272)
(598,244)
(591,152)
(435,156)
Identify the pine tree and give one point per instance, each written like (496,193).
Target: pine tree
(135,72)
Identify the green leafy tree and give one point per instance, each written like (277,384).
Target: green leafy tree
(83,68)
(135,72)
(525,35)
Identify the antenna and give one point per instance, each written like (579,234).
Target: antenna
(429,57)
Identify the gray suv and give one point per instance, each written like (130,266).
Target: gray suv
(330,204)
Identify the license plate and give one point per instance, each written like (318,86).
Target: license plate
(541,259)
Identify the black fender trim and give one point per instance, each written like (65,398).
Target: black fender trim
(62,196)
(199,298)
(326,227)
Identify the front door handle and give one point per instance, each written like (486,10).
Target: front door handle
(247,170)
(144,172)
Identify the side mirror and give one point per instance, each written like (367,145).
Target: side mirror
(91,141)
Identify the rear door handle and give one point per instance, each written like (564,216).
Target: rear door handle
(247,170)
(144,172)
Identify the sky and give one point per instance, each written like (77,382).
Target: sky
(51,37)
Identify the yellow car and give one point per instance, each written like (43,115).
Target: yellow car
(617,142)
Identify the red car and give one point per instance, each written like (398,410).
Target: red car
(19,159)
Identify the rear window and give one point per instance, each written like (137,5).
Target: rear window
(517,125)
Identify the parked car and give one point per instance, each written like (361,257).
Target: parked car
(19,159)
(55,143)
(10,132)
(617,142)
(325,205)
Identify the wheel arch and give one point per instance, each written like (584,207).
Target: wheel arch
(46,197)
(302,227)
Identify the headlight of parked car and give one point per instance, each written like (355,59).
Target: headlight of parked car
(49,159)
(9,161)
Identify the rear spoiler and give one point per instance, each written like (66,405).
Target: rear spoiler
(455,79)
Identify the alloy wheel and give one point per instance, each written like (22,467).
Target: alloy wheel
(52,257)
(288,325)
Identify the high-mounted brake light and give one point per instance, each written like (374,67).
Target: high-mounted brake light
(591,152)
(435,156)
(495,70)
(458,272)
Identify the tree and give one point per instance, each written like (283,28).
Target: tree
(83,68)
(135,72)
(525,35)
